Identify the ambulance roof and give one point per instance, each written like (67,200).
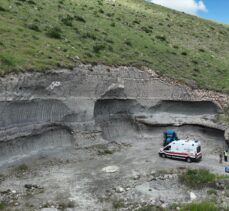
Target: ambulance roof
(187,141)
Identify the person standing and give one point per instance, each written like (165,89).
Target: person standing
(220,157)
(225,155)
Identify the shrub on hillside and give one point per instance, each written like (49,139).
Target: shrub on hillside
(202,50)
(161,37)
(31,2)
(34,27)
(2,9)
(89,35)
(202,206)
(7,60)
(146,29)
(197,178)
(79,18)
(117,204)
(67,20)
(2,206)
(54,32)
(98,47)
(113,24)
(136,22)
(128,42)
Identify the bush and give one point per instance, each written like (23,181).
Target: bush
(54,32)
(150,208)
(202,50)
(2,206)
(196,70)
(128,42)
(33,27)
(197,178)
(89,36)
(105,152)
(67,20)
(98,47)
(117,204)
(110,14)
(2,9)
(22,168)
(202,206)
(212,191)
(184,53)
(101,11)
(146,30)
(136,22)
(7,60)
(161,37)
(31,2)
(113,24)
(81,19)
(194,62)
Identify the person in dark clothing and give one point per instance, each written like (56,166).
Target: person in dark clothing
(225,155)
(220,157)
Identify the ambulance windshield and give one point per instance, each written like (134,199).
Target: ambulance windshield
(198,149)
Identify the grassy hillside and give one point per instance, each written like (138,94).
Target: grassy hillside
(38,35)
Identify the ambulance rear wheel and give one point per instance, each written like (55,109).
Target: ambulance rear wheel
(189,160)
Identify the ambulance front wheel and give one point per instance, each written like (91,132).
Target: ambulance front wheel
(163,155)
(189,160)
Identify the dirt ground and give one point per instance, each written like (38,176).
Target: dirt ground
(75,177)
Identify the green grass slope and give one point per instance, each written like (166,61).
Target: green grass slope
(39,35)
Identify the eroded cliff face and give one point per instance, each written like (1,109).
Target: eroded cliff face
(94,104)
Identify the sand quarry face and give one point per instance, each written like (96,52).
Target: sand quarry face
(92,135)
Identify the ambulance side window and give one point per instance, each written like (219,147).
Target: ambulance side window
(167,148)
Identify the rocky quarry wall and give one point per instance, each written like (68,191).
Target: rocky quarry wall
(96,104)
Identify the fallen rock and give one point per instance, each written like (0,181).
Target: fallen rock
(110,169)
(49,209)
(119,189)
(152,178)
(136,176)
(30,186)
(226,135)
(153,173)
(161,178)
(164,205)
(192,196)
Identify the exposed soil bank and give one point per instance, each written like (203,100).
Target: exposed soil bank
(91,105)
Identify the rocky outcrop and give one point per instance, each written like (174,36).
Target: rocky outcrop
(226,135)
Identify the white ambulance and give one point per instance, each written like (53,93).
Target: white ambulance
(189,150)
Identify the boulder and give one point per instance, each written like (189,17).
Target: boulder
(153,173)
(136,175)
(226,135)
(119,189)
(192,196)
(110,169)
(49,209)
